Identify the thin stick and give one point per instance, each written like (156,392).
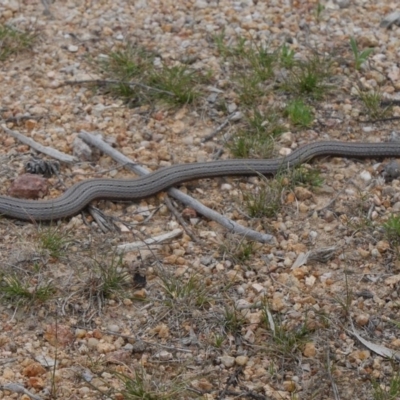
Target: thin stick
(148,242)
(58,155)
(17,388)
(177,194)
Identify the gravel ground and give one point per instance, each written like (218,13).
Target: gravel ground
(213,341)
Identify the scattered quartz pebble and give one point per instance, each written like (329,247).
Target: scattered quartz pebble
(375,253)
(383,246)
(242,304)
(309,350)
(284,151)
(362,319)
(227,361)
(80,333)
(241,360)
(302,193)
(105,347)
(164,355)
(365,176)
(113,328)
(226,186)
(92,343)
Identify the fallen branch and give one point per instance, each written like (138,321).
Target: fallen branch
(230,225)
(17,388)
(58,155)
(147,242)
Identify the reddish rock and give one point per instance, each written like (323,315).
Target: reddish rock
(28,186)
(189,213)
(34,369)
(59,335)
(36,383)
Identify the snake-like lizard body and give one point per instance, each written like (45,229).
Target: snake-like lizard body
(81,194)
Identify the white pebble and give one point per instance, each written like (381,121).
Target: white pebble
(375,253)
(227,361)
(113,328)
(226,186)
(242,304)
(365,176)
(312,236)
(72,48)
(284,151)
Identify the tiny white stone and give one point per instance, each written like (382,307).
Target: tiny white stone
(350,192)
(240,290)
(241,360)
(226,186)
(113,328)
(164,355)
(227,361)
(310,280)
(72,48)
(368,129)
(284,151)
(312,236)
(287,262)
(375,253)
(242,304)
(232,107)
(287,138)
(365,176)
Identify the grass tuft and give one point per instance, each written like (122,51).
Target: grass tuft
(285,342)
(27,289)
(140,386)
(53,241)
(256,138)
(360,57)
(265,201)
(309,177)
(233,321)
(310,77)
(392,230)
(286,57)
(193,292)
(108,279)
(13,41)
(387,392)
(372,104)
(175,84)
(135,78)
(299,113)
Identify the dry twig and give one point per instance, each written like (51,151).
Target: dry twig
(58,155)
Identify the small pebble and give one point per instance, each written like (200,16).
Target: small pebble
(227,361)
